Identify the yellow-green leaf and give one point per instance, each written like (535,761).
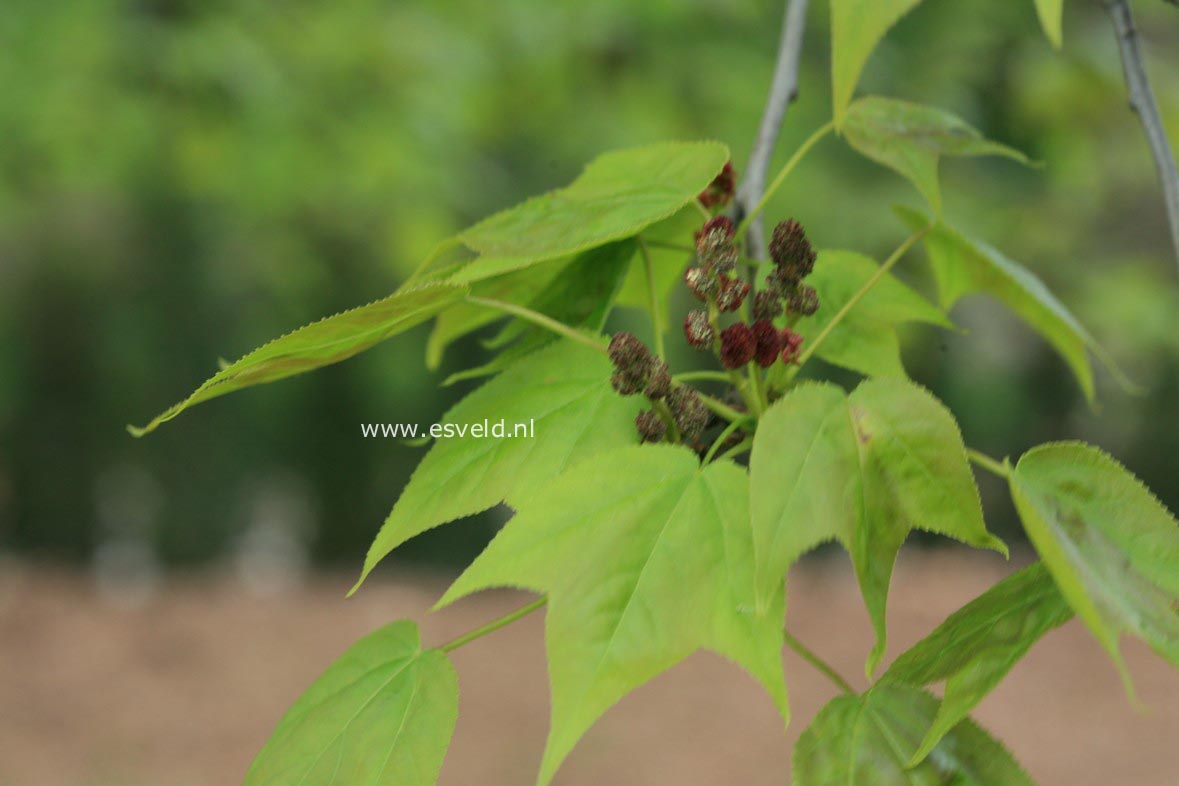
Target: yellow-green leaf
(1051,13)
(857,26)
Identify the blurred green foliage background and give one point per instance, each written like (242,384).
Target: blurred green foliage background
(181,181)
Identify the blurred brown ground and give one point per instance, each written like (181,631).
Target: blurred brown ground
(183,690)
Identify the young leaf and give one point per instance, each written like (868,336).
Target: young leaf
(617,196)
(856,28)
(863,469)
(646,557)
(564,391)
(910,139)
(866,741)
(581,297)
(321,343)
(1051,13)
(978,644)
(1109,543)
(962,265)
(865,340)
(382,715)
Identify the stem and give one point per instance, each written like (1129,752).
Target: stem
(712,376)
(1142,102)
(741,447)
(537,318)
(661,409)
(494,625)
(720,408)
(729,429)
(783,92)
(656,319)
(782,175)
(987,463)
(759,391)
(821,665)
(703,210)
(888,265)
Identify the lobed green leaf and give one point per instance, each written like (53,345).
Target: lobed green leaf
(646,557)
(1111,546)
(382,715)
(978,644)
(322,343)
(911,139)
(865,470)
(564,390)
(857,26)
(866,741)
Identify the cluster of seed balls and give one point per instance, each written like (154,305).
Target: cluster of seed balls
(713,281)
(637,370)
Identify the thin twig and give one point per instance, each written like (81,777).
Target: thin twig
(987,463)
(1143,103)
(783,91)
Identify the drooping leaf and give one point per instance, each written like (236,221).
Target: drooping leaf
(978,644)
(962,265)
(646,557)
(868,740)
(856,28)
(381,715)
(866,339)
(617,196)
(581,297)
(1051,13)
(911,139)
(322,343)
(1112,547)
(865,470)
(563,391)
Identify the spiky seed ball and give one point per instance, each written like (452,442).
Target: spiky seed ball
(701,283)
(697,330)
(803,301)
(691,416)
(651,427)
(717,231)
(733,292)
(767,306)
(767,343)
(627,351)
(737,345)
(791,251)
(720,191)
(791,345)
(626,383)
(658,380)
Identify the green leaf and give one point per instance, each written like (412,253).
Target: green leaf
(866,741)
(321,343)
(581,297)
(865,470)
(669,264)
(1051,13)
(866,339)
(563,391)
(1112,547)
(963,265)
(617,196)
(646,557)
(382,715)
(910,139)
(978,644)
(857,26)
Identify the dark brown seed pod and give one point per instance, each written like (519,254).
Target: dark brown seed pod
(767,343)
(651,427)
(804,301)
(792,252)
(791,345)
(690,414)
(767,306)
(697,330)
(733,292)
(658,380)
(737,345)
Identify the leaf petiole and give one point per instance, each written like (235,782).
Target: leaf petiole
(783,173)
(656,316)
(822,666)
(537,318)
(494,625)
(987,463)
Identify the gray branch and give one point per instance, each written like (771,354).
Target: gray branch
(1143,103)
(783,91)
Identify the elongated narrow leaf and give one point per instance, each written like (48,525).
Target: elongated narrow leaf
(865,470)
(963,265)
(1051,13)
(381,715)
(911,139)
(856,28)
(617,196)
(978,644)
(646,557)
(321,343)
(865,340)
(867,740)
(1109,543)
(581,297)
(563,393)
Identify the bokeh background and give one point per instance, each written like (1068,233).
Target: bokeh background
(181,181)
